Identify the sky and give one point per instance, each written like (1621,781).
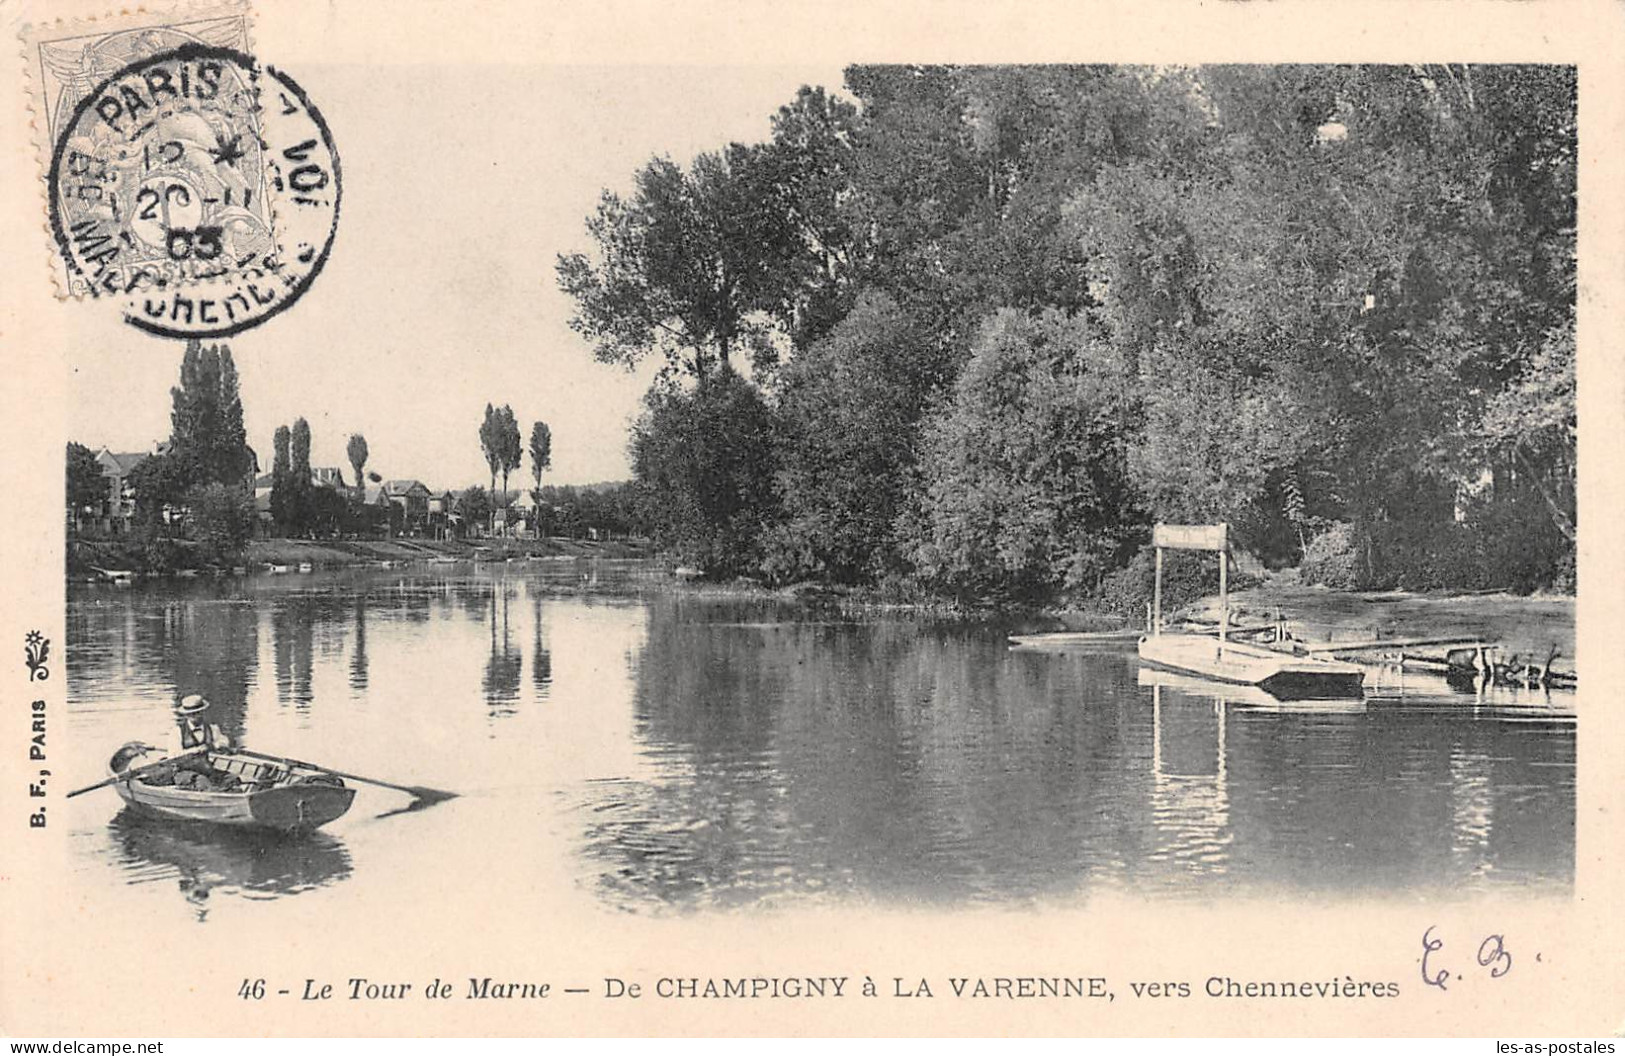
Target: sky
(461,187)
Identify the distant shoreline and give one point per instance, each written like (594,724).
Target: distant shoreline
(86,557)
(1527,625)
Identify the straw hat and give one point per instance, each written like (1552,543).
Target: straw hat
(192,705)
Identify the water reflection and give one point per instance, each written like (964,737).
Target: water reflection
(292,632)
(502,668)
(798,759)
(358,645)
(1190,800)
(205,860)
(214,652)
(541,658)
(700,752)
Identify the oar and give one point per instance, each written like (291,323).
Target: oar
(129,773)
(421,795)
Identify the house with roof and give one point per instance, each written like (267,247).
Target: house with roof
(443,515)
(412,497)
(264,483)
(519,516)
(328,477)
(118,506)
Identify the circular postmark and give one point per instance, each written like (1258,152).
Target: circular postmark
(198,189)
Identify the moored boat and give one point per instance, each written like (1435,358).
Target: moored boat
(1284,674)
(243,790)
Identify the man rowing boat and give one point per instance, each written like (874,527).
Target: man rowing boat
(194,734)
(190,747)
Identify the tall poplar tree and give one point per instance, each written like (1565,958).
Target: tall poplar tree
(541,457)
(281,477)
(299,473)
(491,446)
(206,419)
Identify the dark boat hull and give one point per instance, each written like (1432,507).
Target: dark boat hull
(1282,674)
(303,804)
(290,808)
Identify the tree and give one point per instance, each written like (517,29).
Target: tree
(222,519)
(282,498)
(206,419)
(1027,491)
(703,461)
(326,512)
(688,266)
(509,449)
(86,487)
(541,457)
(491,443)
(847,438)
(1286,297)
(1328,293)
(475,505)
(356,451)
(962,179)
(299,474)
(811,162)
(160,482)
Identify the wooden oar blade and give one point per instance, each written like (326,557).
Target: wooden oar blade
(422,798)
(428,797)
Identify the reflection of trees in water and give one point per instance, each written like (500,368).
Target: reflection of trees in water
(541,659)
(298,622)
(414,601)
(111,636)
(209,859)
(473,598)
(502,668)
(895,759)
(210,645)
(358,644)
(292,640)
(885,757)
(1402,797)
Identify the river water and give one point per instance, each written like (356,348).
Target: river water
(650,749)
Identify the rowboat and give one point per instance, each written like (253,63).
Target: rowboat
(282,796)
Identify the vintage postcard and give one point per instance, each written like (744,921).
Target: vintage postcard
(757,520)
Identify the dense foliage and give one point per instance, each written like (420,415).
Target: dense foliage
(206,419)
(1028,491)
(86,488)
(1004,318)
(703,460)
(198,485)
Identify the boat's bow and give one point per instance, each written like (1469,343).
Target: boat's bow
(1282,674)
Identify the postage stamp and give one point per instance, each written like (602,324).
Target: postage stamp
(185,181)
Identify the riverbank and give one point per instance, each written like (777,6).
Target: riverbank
(1526,626)
(88,559)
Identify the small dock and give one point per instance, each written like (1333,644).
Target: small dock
(1278,671)
(1462,656)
